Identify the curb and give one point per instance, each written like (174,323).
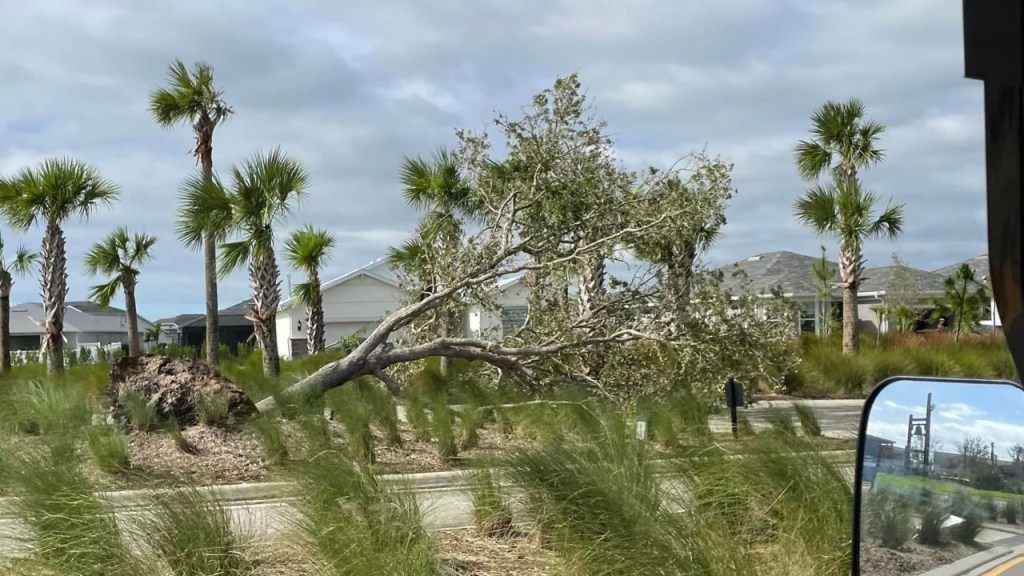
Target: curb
(964,565)
(255,492)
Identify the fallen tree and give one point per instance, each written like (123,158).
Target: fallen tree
(554,213)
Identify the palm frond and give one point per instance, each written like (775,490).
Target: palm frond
(305,293)
(309,248)
(103,294)
(106,256)
(889,223)
(233,255)
(24,260)
(188,96)
(811,159)
(205,208)
(818,209)
(140,249)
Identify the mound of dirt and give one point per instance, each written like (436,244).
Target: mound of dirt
(174,387)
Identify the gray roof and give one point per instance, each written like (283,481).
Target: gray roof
(791,272)
(231,316)
(877,279)
(182,320)
(87,317)
(978,264)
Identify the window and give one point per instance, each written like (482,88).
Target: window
(808,317)
(512,317)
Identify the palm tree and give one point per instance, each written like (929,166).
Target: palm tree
(119,256)
(437,187)
(50,195)
(22,262)
(846,212)
(191,98)
(965,299)
(308,249)
(843,143)
(260,196)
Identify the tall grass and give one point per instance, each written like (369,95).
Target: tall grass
(351,525)
(603,509)
(191,532)
(825,372)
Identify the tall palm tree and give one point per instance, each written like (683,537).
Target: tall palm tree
(50,195)
(191,98)
(260,196)
(119,256)
(843,143)
(846,212)
(308,249)
(21,264)
(438,188)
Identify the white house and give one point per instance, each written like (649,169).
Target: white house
(86,324)
(356,302)
(980,266)
(510,297)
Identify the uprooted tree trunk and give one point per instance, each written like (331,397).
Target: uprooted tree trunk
(376,353)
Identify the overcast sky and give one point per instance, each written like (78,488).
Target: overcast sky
(992,412)
(350,89)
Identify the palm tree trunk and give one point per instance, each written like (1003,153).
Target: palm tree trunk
(134,345)
(54,283)
(5,321)
(266,295)
(850,264)
(204,139)
(315,322)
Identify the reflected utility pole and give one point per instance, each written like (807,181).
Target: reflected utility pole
(919,428)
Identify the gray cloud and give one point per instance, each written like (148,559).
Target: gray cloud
(351,89)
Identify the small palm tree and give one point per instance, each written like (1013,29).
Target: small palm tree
(260,196)
(308,249)
(965,298)
(119,256)
(21,264)
(438,188)
(153,336)
(50,195)
(191,98)
(846,212)
(843,143)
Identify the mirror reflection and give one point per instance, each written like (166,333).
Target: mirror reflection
(943,479)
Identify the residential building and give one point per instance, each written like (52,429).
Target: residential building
(793,275)
(86,324)
(355,302)
(980,266)
(189,330)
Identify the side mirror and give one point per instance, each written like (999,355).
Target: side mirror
(939,485)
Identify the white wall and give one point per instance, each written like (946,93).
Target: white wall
(355,305)
(486,323)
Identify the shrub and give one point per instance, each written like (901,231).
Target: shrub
(961,503)
(443,428)
(141,414)
(1010,511)
(48,407)
(930,532)
(991,508)
(888,518)
(471,419)
(966,531)
(109,447)
(491,514)
(781,421)
(174,431)
(270,438)
(212,409)
(808,421)
(192,533)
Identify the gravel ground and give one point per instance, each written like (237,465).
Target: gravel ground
(912,559)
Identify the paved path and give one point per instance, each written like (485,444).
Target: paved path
(837,418)
(443,508)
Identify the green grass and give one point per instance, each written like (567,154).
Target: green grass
(824,372)
(941,486)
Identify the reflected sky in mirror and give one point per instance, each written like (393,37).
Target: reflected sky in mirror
(994,412)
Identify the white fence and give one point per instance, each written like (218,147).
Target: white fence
(92,354)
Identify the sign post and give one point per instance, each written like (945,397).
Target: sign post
(734,398)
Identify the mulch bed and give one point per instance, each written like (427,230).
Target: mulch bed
(912,558)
